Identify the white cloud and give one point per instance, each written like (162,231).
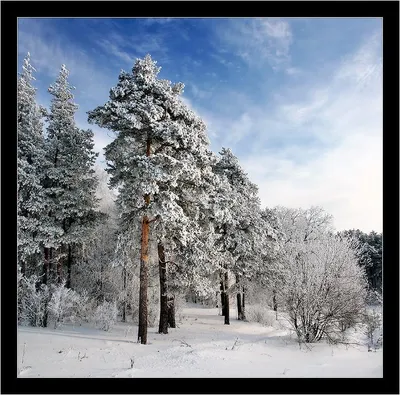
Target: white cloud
(258,39)
(116,51)
(343,115)
(49,54)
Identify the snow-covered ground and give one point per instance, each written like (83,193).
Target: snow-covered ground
(202,346)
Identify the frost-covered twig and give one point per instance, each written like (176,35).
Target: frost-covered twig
(183,343)
(234,344)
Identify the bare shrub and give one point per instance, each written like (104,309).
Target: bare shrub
(322,287)
(261,314)
(105,315)
(373,329)
(32,300)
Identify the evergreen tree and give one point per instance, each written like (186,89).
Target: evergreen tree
(158,151)
(71,181)
(243,234)
(31,201)
(370,257)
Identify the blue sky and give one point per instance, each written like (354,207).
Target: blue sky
(298,100)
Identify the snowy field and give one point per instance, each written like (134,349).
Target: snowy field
(202,346)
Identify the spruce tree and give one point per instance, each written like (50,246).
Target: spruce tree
(71,181)
(243,233)
(31,200)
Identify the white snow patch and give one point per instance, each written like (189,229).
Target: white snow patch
(202,346)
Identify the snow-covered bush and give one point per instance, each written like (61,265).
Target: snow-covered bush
(83,308)
(33,298)
(261,314)
(62,304)
(373,328)
(105,315)
(322,287)
(67,305)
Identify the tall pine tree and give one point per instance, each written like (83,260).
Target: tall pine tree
(71,181)
(159,150)
(31,200)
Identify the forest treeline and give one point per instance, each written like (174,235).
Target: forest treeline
(168,220)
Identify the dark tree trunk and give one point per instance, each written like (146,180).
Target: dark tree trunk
(162,265)
(144,270)
(23,268)
(239,301)
(243,304)
(59,268)
(171,312)
(51,268)
(45,267)
(222,297)
(69,265)
(45,281)
(274,303)
(144,258)
(239,305)
(226,299)
(124,301)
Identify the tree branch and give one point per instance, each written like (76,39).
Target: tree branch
(154,219)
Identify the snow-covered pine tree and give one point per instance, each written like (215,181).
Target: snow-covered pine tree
(70,179)
(243,233)
(159,148)
(190,190)
(31,200)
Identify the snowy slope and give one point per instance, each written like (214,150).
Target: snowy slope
(202,346)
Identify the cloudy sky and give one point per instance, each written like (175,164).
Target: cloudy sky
(299,101)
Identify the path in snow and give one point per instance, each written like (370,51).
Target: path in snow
(202,346)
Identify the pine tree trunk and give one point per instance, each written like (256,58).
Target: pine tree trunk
(239,305)
(144,270)
(45,281)
(171,312)
(124,301)
(222,297)
(274,303)
(226,299)
(69,264)
(162,266)
(144,258)
(243,305)
(59,268)
(45,266)
(51,268)
(239,301)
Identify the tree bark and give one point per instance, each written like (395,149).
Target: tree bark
(59,268)
(239,301)
(45,266)
(274,303)
(243,304)
(239,305)
(171,311)
(226,299)
(144,270)
(144,258)
(69,265)
(45,281)
(162,266)
(222,296)
(124,288)
(51,268)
